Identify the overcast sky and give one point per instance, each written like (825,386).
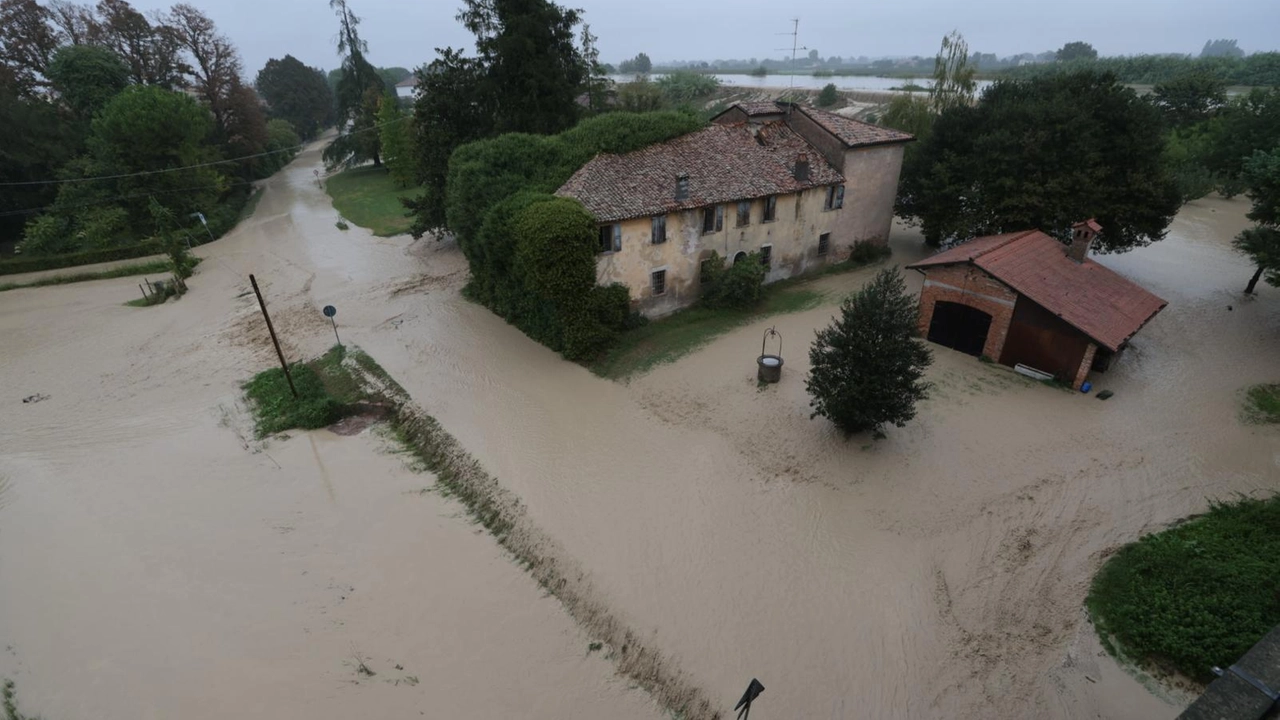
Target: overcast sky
(406,33)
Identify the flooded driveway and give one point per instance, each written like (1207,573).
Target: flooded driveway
(153,564)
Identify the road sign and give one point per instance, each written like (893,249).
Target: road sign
(329,311)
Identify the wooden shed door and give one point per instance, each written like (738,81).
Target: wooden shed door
(959,327)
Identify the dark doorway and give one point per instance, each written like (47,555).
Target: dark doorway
(739,256)
(959,327)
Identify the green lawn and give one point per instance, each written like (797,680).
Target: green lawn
(1197,595)
(1262,403)
(367,197)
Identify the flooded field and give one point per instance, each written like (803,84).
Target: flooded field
(155,562)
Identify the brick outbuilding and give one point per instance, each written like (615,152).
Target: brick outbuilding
(1026,299)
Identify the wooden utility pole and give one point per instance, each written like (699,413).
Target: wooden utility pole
(279,353)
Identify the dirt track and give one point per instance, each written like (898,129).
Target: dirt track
(151,562)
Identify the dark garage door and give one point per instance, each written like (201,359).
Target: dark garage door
(960,327)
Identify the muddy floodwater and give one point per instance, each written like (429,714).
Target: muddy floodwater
(157,562)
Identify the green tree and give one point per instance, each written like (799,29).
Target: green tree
(1262,242)
(396,133)
(1190,98)
(172,240)
(151,50)
(359,91)
(1044,153)
(142,134)
(639,65)
(1077,51)
(392,75)
(39,140)
(282,142)
(532,66)
(451,109)
(867,367)
(828,96)
(296,93)
(596,82)
(1248,123)
(86,77)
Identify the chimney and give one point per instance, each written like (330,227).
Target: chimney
(682,187)
(1082,235)
(802,167)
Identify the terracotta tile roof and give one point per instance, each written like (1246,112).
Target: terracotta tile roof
(1093,299)
(767,107)
(724,163)
(854,133)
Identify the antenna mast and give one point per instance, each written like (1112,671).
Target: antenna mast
(795,45)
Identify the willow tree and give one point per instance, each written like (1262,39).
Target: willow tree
(953,83)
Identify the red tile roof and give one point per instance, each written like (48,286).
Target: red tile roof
(724,163)
(768,107)
(854,133)
(1097,301)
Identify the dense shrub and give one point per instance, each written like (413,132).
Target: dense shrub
(828,96)
(1197,595)
(865,253)
(739,286)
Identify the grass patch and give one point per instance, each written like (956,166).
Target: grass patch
(369,198)
(671,338)
(326,393)
(1197,595)
(155,267)
(1262,403)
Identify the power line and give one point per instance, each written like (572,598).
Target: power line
(135,196)
(189,167)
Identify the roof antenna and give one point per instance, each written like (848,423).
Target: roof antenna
(795,45)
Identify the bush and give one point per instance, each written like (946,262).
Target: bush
(866,252)
(828,96)
(738,287)
(867,368)
(1197,595)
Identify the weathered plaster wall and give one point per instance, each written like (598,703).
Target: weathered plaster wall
(831,147)
(871,186)
(793,235)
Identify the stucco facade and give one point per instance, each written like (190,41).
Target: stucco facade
(833,181)
(801,219)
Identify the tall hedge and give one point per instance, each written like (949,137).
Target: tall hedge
(533,255)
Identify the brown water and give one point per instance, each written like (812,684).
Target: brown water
(937,573)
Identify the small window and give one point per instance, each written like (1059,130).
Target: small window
(712,219)
(659,230)
(835,198)
(771,208)
(744,213)
(610,238)
(658,280)
(766,256)
(824,244)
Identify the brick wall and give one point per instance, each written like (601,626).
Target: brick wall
(1085,366)
(967,285)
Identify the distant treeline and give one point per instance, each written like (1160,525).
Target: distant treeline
(1258,69)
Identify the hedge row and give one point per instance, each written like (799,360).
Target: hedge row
(88,257)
